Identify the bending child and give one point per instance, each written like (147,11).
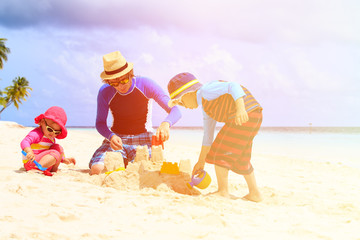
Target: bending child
(234,105)
(40,146)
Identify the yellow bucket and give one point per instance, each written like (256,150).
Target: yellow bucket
(201,180)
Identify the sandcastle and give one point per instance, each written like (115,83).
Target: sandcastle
(113,162)
(142,154)
(157,155)
(154,172)
(140,175)
(157,159)
(185,166)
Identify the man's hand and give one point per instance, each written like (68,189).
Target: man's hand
(116,142)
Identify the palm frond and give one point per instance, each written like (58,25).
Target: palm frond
(3,52)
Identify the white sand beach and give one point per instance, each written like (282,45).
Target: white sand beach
(302,199)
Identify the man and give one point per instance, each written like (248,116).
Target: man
(128,98)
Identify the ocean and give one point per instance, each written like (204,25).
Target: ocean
(326,144)
(340,145)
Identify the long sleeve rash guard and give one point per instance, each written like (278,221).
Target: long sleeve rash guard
(132,111)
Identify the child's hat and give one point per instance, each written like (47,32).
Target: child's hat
(58,115)
(180,84)
(115,66)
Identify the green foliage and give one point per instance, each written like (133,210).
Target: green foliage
(2,100)
(3,52)
(19,90)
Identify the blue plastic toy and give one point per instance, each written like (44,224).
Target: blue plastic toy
(36,163)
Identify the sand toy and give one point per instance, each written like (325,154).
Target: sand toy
(170,168)
(201,180)
(34,164)
(38,165)
(155,142)
(116,170)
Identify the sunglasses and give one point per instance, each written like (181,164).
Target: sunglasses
(122,82)
(51,130)
(115,84)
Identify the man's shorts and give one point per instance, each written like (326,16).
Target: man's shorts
(130,143)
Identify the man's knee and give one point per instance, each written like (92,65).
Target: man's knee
(96,169)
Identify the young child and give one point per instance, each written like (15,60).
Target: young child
(39,145)
(232,104)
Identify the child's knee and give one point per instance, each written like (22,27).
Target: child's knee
(56,155)
(56,147)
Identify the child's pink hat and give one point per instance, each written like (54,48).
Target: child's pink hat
(58,115)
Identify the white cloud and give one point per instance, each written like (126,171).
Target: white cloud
(147,58)
(276,79)
(314,71)
(56,80)
(222,62)
(47,93)
(155,37)
(255,21)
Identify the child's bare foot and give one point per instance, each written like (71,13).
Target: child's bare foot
(224,194)
(255,197)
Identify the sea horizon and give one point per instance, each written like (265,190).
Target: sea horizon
(297,129)
(283,129)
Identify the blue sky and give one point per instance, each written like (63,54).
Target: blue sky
(299,58)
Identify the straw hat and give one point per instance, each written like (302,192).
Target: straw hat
(58,115)
(115,66)
(180,84)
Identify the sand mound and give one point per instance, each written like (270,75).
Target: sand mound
(9,124)
(144,174)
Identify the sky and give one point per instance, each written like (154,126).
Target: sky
(300,59)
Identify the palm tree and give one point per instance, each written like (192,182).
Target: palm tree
(2,100)
(16,93)
(3,57)
(3,52)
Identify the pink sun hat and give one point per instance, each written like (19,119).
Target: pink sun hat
(58,115)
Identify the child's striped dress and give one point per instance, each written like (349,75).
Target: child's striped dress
(232,146)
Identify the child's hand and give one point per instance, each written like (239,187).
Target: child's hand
(198,167)
(69,161)
(163,131)
(30,156)
(241,117)
(241,114)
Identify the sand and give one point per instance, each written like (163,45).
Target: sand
(302,199)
